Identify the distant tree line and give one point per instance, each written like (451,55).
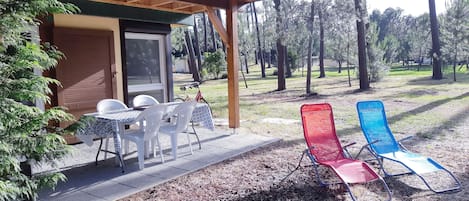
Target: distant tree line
(287,34)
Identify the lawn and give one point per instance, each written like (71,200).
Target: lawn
(435,111)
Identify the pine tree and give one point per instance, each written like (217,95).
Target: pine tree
(26,136)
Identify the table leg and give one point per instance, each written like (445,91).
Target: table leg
(197,136)
(99,150)
(118,145)
(174,145)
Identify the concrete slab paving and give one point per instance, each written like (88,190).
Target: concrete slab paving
(89,182)
(79,196)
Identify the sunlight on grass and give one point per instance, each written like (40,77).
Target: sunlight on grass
(415,103)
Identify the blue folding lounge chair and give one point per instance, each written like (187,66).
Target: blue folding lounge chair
(383,145)
(324,149)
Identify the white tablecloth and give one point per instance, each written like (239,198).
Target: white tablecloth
(203,115)
(107,125)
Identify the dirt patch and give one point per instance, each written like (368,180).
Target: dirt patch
(438,116)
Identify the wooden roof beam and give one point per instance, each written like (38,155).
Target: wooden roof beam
(242,2)
(183,7)
(140,4)
(209,3)
(179,7)
(156,3)
(217,24)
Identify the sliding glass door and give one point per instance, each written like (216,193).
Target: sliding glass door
(145,65)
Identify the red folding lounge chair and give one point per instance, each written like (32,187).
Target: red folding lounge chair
(324,149)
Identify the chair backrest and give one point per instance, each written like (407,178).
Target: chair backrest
(107,105)
(319,132)
(375,126)
(184,114)
(142,100)
(152,118)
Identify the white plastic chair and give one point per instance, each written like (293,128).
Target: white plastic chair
(148,131)
(108,105)
(142,100)
(182,115)
(103,106)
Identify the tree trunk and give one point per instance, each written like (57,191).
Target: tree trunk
(197,47)
(248,17)
(340,65)
(222,43)
(204,19)
(348,58)
(455,61)
(192,65)
(361,39)
(288,63)
(256,57)
(259,47)
(280,50)
(309,65)
(252,11)
(322,72)
(310,50)
(214,39)
(280,65)
(420,59)
(436,52)
(246,63)
(269,56)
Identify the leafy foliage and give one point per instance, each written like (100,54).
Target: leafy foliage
(376,69)
(455,33)
(214,63)
(26,134)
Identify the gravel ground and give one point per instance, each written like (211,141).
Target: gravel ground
(440,127)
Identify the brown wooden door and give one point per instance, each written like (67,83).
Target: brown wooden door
(87,73)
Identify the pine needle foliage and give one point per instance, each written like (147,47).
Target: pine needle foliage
(26,134)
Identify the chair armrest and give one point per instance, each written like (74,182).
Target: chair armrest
(348,145)
(347,153)
(366,146)
(404,139)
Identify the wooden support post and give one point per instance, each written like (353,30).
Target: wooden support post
(233,64)
(212,16)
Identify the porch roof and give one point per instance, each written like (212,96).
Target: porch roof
(178,6)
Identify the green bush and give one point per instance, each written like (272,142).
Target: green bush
(26,134)
(214,63)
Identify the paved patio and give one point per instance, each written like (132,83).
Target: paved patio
(88,182)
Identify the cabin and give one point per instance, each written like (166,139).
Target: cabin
(122,48)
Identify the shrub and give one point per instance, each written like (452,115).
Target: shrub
(26,136)
(214,63)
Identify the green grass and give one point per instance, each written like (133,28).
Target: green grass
(415,103)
